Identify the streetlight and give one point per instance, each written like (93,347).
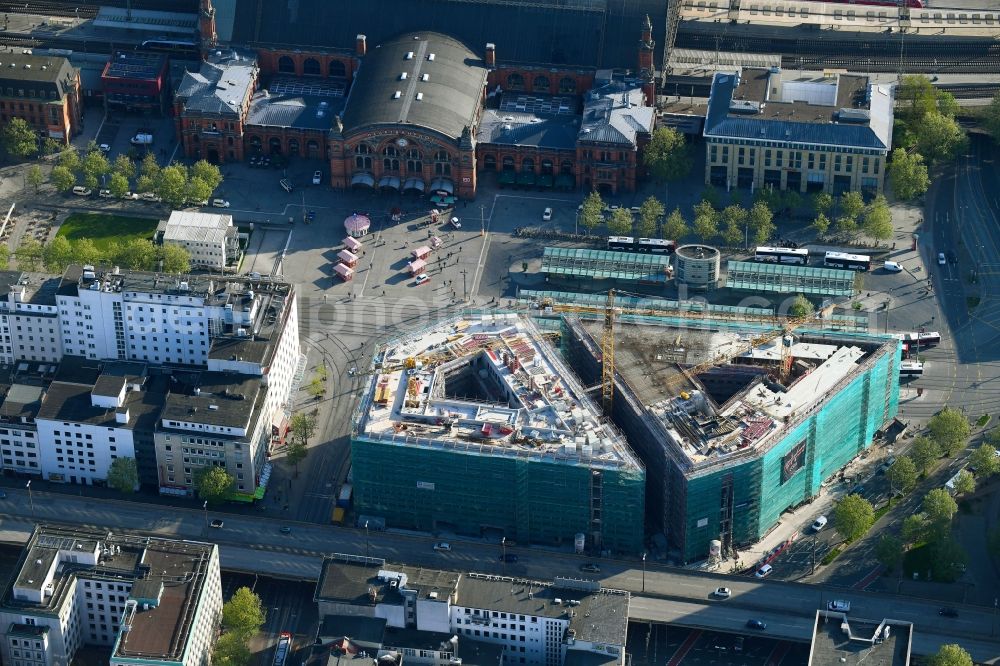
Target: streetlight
(366,539)
(482,220)
(31,500)
(503,554)
(643,571)
(205,507)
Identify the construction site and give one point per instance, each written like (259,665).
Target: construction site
(476,426)
(735,422)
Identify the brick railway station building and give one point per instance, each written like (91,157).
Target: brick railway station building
(420,111)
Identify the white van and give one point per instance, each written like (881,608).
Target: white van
(892,267)
(819,524)
(764,571)
(839,605)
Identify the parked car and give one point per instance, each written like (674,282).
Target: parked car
(893,267)
(764,571)
(839,605)
(759,625)
(722,592)
(442,546)
(285,529)
(216,523)
(104,148)
(150,196)
(590,567)
(131,196)
(317,177)
(421,279)
(547,214)
(220,203)
(509,558)
(941,260)
(104,194)
(456,223)
(82,191)
(819,524)
(948,611)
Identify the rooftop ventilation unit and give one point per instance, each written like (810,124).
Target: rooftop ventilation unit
(396,94)
(430,56)
(409,55)
(402,77)
(420,96)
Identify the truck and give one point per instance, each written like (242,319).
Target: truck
(282,649)
(344,499)
(142,139)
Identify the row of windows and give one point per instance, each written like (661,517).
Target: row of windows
(777,158)
(847,150)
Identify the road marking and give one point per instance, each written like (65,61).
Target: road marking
(684,648)
(869,579)
(777,654)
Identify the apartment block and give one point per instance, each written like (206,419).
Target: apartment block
(150,600)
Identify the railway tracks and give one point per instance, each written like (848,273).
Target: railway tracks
(45,8)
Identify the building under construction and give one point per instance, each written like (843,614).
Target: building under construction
(728,449)
(476,426)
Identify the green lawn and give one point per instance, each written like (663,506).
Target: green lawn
(105,230)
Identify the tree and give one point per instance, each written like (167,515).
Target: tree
(244,613)
(4,258)
(822,202)
(18,139)
(846,226)
(914,528)
(123,475)
(853,516)
(877,220)
(620,223)
(916,97)
(95,165)
(51,146)
(172,185)
(58,254)
(145,183)
(768,196)
(821,224)
(675,226)
(951,654)
(175,258)
(592,213)
(650,212)
(667,155)
(800,307)
(213,483)
(710,193)
(791,200)
(302,427)
(902,474)
(924,452)
(118,185)
(85,252)
(940,508)
(889,551)
(734,217)
(985,461)
(990,120)
(296,453)
(948,558)
(965,483)
(208,173)
(950,429)
(34,177)
(124,166)
(940,138)
(231,650)
(198,190)
(851,205)
(150,167)
(62,178)
(70,159)
(908,174)
(136,254)
(762,222)
(706,221)
(29,254)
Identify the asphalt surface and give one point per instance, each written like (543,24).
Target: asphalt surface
(255,544)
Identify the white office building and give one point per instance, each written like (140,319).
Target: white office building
(151,601)
(29,318)
(211,239)
(563,623)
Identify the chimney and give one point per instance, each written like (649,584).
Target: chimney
(361,46)
(491,55)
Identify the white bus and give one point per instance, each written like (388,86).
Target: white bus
(911,369)
(621,243)
(782,255)
(854,262)
(655,246)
